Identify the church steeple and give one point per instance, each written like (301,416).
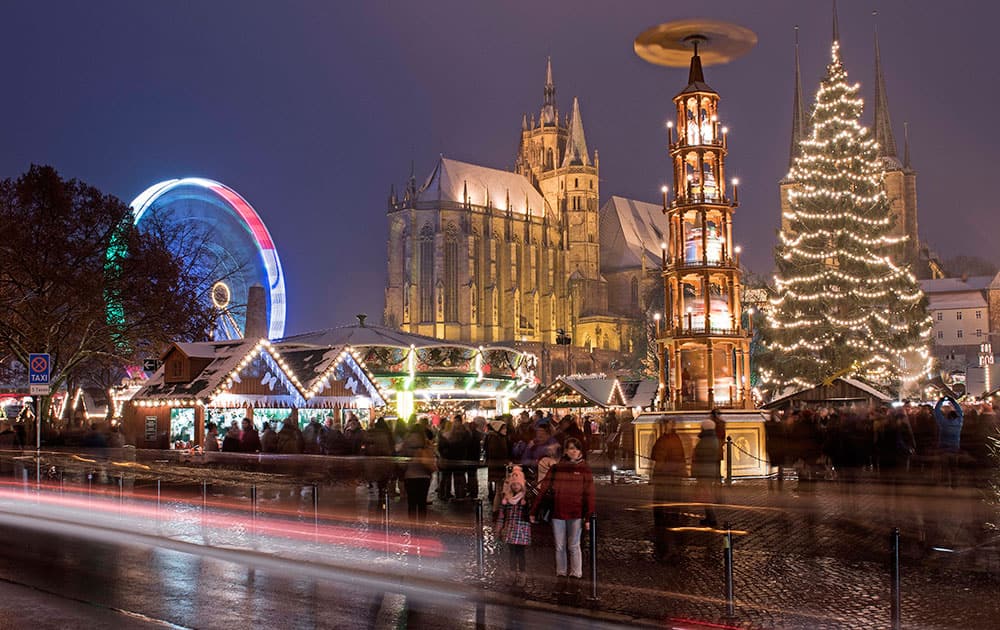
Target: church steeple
(906,147)
(798,114)
(881,123)
(576,142)
(550,113)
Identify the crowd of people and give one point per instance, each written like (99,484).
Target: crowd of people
(945,443)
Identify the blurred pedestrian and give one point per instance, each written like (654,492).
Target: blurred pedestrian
(417,474)
(312,437)
(231,440)
(290,437)
(268,439)
(211,437)
(669,467)
(250,438)
(706,469)
(497,450)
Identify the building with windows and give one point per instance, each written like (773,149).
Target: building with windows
(966,313)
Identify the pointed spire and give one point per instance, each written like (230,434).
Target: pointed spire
(906,147)
(696,76)
(549,115)
(798,114)
(524,122)
(880,121)
(576,142)
(836,23)
(695,73)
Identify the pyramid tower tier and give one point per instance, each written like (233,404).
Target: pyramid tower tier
(704,346)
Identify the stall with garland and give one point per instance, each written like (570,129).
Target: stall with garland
(225,381)
(581,394)
(424,374)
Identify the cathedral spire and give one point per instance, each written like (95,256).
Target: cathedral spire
(906,147)
(883,127)
(798,115)
(576,142)
(550,114)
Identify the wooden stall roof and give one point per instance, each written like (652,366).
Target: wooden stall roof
(580,391)
(303,374)
(840,390)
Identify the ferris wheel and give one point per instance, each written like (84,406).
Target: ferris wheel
(235,250)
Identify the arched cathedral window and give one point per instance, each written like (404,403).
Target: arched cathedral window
(426,288)
(451,273)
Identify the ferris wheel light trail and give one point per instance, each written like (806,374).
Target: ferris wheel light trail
(224,199)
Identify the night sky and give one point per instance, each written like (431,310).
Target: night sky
(311,110)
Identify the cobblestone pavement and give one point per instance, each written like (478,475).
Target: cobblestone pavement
(804,557)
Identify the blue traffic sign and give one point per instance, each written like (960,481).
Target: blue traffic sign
(39,367)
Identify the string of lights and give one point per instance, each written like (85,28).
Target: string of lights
(843,303)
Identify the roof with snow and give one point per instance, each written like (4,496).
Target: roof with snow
(640,393)
(580,391)
(284,371)
(458,182)
(948,285)
(965,299)
(629,231)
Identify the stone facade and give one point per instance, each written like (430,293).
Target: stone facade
(477,254)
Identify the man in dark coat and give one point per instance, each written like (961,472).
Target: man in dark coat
(706,469)
(669,467)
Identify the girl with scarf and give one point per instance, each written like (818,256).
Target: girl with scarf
(512,522)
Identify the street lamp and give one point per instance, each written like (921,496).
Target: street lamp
(562,339)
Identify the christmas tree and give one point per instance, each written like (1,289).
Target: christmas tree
(842,307)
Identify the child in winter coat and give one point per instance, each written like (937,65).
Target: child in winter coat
(512,522)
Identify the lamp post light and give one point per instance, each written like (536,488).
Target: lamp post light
(736,252)
(664,190)
(562,339)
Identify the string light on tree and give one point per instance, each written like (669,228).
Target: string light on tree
(843,306)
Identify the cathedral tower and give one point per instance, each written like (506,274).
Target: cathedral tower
(798,133)
(900,179)
(704,342)
(554,157)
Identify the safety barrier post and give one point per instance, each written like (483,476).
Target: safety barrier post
(253,509)
(593,559)
(729,460)
(315,497)
(480,539)
(730,598)
(895,587)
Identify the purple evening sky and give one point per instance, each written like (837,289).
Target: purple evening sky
(311,109)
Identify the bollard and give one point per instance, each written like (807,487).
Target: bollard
(614,469)
(204,498)
(157,497)
(728,547)
(90,483)
(593,558)
(121,494)
(385,506)
(895,585)
(480,539)
(315,493)
(253,509)
(729,460)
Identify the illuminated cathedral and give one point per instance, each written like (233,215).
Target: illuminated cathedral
(527,256)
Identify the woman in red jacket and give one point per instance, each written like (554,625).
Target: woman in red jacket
(573,485)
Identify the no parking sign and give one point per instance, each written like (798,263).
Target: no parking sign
(39,369)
